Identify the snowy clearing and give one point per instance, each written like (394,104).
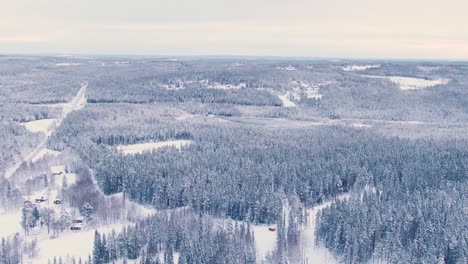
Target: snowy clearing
(10,224)
(67,64)
(71,244)
(45,152)
(220,86)
(42,125)
(409,83)
(288,68)
(265,241)
(359,67)
(312,252)
(285,100)
(143,147)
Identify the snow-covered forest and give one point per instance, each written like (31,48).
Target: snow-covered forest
(229,160)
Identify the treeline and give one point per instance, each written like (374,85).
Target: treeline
(241,171)
(176,237)
(126,91)
(399,225)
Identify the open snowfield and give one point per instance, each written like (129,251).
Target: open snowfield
(42,125)
(10,224)
(286,101)
(67,64)
(220,86)
(265,241)
(409,83)
(70,244)
(143,147)
(287,68)
(358,67)
(45,152)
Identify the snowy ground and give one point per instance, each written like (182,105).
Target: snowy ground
(313,253)
(67,64)
(42,125)
(286,101)
(265,241)
(409,83)
(78,102)
(10,224)
(140,148)
(70,243)
(45,152)
(359,67)
(287,68)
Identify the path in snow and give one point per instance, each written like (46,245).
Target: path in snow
(76,103)
(311,252)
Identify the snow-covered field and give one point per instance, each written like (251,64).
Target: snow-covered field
(10,224)
(316,253)
(265,241)
(41,125)
(71,244)
(220,86)
(45,152)
(287,68)
(67,64)
(286,101)
(409,83)
(359,67)
(140,148)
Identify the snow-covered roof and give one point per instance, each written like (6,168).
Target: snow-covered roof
(57,169)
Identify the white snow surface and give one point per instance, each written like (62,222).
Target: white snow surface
(286,101)
(67,64)
(45,152)
(410,83)
(143,147)
(317,253)
(41,125)
(10,224)
(71,244)
(407,83)
(287,68)
(265,240)
(359,67)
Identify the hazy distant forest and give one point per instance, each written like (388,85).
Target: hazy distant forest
(267,141)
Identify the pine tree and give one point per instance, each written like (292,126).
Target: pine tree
(97,253)
(4,253)
(87,211)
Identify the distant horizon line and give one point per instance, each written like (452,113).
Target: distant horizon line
(265,57)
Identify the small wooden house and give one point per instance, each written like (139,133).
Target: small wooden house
(40,200)
(57,170)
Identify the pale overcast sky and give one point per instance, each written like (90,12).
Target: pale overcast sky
(421,29)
